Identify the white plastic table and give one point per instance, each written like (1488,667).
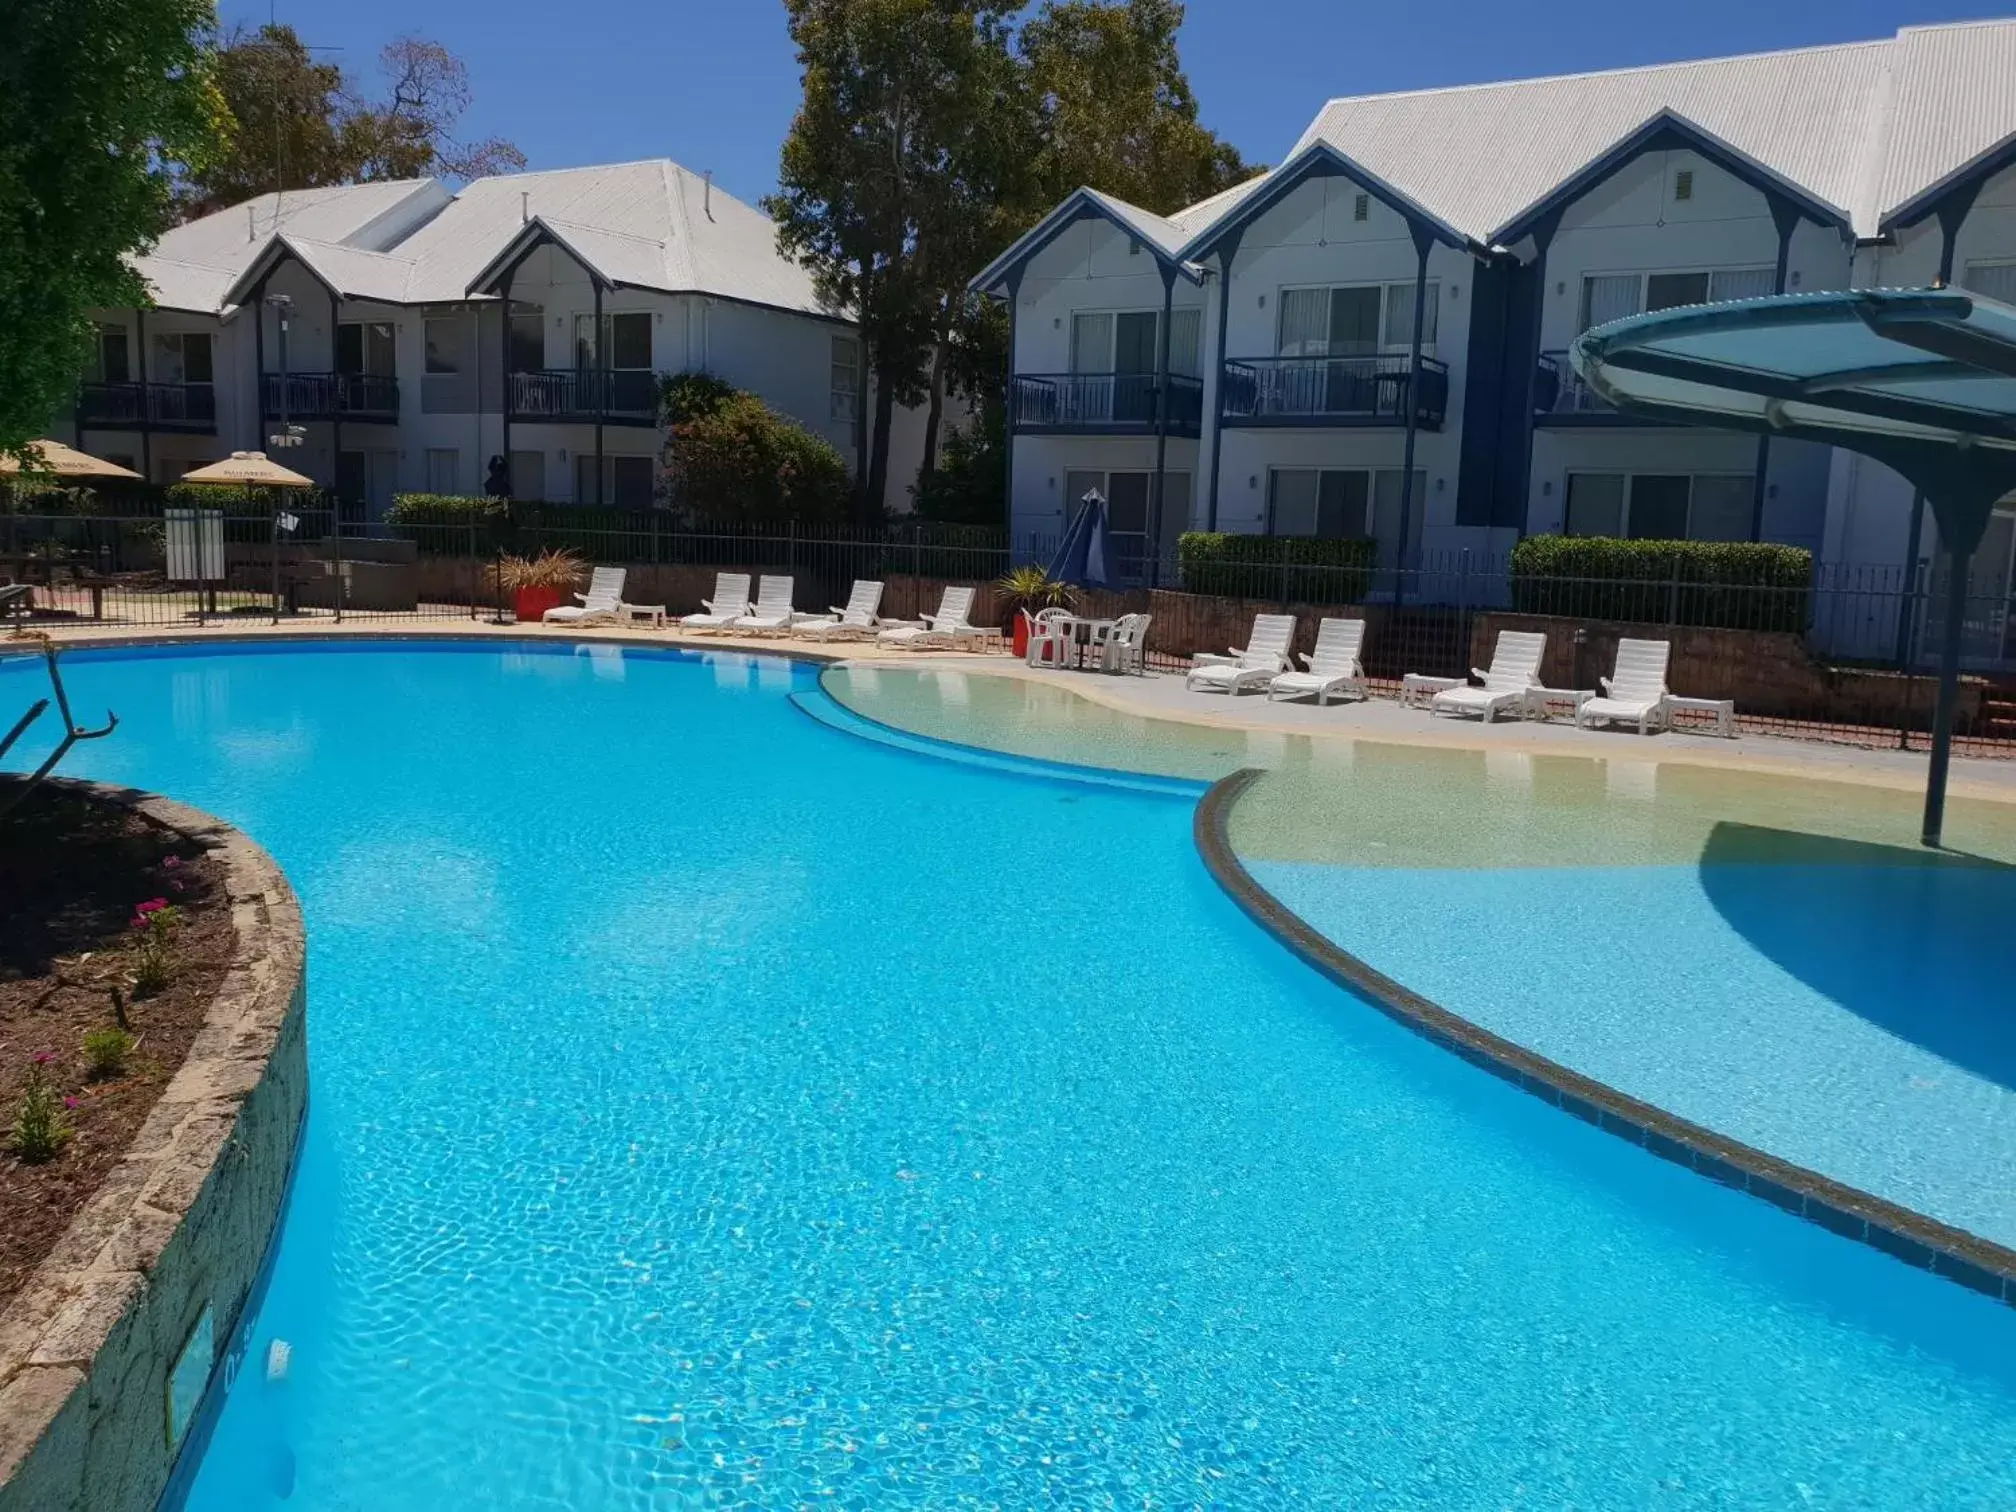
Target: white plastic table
(1418,690)
(1724,710)
(655,613)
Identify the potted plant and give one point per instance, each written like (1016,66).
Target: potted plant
(1021,592)
(539,583)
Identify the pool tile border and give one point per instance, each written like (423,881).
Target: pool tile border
(1963,1258)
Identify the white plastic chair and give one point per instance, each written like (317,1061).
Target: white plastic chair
(1049,640)
(602,602)
(855,621)
(1636,692)
(1333,668)
(773,606)
(947,627)
(1514,673)
(730,603)
(1126,649)
(1265,658)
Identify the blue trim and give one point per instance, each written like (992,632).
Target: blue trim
(1078,205)
(1667,131)
(1968,177)
(828,710)
(1228,249)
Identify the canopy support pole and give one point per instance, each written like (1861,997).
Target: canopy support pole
(1949,695)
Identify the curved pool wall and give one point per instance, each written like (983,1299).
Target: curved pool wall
(710,1104)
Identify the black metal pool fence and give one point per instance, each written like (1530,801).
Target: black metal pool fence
(1846,655)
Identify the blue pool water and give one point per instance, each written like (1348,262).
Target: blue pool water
(714,1108)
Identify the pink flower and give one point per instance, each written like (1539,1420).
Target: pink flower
(172,862)
(138,921)
(70,1102)
(152,905)
(44,1057)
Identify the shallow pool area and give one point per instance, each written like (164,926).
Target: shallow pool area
(714,1107)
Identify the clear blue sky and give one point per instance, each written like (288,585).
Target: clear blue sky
(713,83)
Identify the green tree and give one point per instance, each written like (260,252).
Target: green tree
(730,458)
(879,159)
(1117,112)
(102,104)
(302,123)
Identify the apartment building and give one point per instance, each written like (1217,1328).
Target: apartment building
(1371,337)
(414,334)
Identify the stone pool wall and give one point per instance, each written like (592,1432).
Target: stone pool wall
(180,1228)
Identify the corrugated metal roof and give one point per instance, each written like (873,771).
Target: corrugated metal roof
(649,224)
(1955,89)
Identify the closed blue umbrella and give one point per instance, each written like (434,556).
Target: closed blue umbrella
(1086,555)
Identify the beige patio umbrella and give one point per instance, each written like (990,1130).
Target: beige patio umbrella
(54,459)
(247,467)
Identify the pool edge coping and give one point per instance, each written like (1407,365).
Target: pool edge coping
(131,1251)
(1966,1259)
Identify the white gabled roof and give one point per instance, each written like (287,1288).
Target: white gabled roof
(193,265)
(648,225)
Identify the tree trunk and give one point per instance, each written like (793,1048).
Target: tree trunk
(934,418)
(878,453)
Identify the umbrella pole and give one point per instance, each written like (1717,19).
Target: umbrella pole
(1949,695)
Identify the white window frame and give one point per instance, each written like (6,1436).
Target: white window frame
(1646,275)
(179,340)
(453,458)
(1369,474)
(460,348)
(1388,288)
(844,378)
(1630,477)
(1112,354)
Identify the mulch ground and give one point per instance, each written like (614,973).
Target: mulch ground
(72,871)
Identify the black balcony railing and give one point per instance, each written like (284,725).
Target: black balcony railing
(585,394)
(1104,402)
(149,406)
(1333,391)
(1559,394)
(325,396)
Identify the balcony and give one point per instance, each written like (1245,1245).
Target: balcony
(1562,400)
(330,396)
(186,407)
(624,397)
(1332,391)
(1103,404)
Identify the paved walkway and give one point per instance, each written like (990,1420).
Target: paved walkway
(1162,695)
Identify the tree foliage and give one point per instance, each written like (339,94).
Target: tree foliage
(731,459)
(300,122)
(102,103)
(932,133)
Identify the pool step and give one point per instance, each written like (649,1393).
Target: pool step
(1998,710)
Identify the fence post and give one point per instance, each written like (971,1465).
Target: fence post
(1673,595)
(474,566)
(336,563)
(916,556)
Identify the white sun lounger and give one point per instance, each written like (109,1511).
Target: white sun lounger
(773,606)
(1515,670)
(1333,666)
(730,603)
(1264,659)
(1636,692)
(947,627)
(601,604)
(856,621)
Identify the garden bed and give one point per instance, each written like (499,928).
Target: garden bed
(75,873)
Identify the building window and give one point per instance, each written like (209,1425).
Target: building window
(1613,296)
(1361,207)
(1129,341)
(1358,321)
(527,338)
(179,357)
(366,346)
(445,343)
(111,357)
(1661,506)
(1683,184)
(845,396)
(626,481)
(444,470)
(629,342)
(1997,280)
(1129,499)
(1332,503)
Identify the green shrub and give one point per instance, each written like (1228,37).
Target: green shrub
(446,524)
(40,1129)
(1736,585)
(105,1052)
(1304,569)
(742,463)
(688,396)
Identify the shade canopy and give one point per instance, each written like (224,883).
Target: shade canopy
(248,467)
(1923,380)
(54,459)
(1086,557)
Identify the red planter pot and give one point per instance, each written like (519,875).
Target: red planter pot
(530,604)
(1021,634)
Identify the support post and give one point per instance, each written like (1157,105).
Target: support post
(1014,281)
(1154,542)
(1543,237)
(1785,216)
(146,397)
(1949,695)
(1228,249)
(1423,241)
(336,419)
(504,361)
(601,360)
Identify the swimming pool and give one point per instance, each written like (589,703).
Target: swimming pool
(712,1107)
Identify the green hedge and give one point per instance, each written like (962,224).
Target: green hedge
(1734,585)
(1305,569)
